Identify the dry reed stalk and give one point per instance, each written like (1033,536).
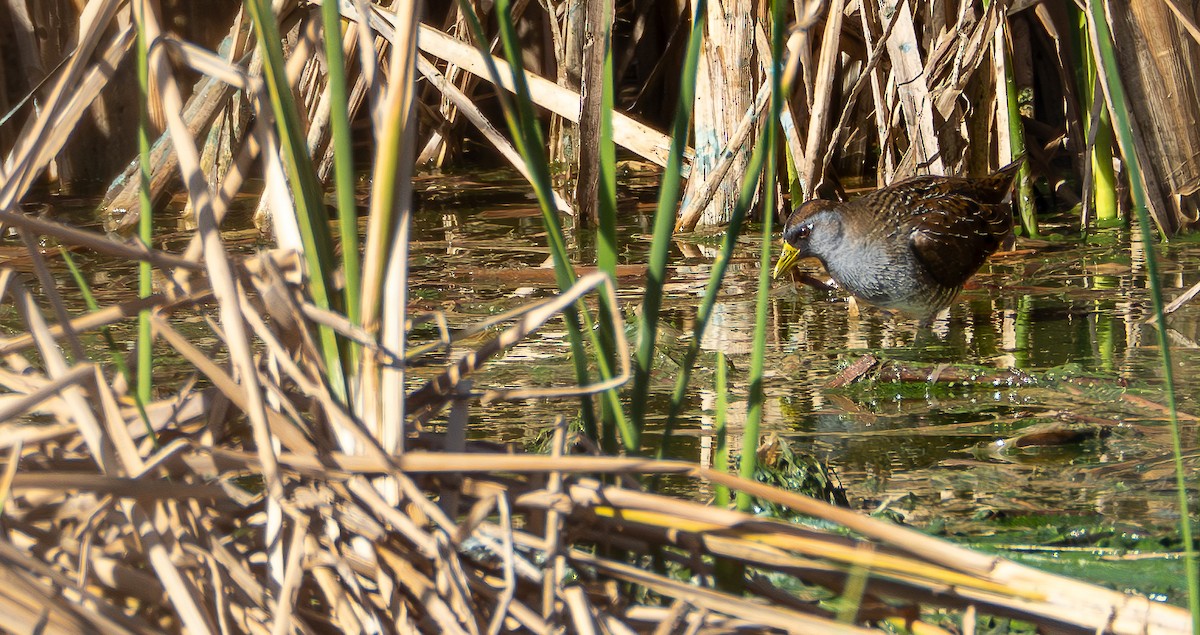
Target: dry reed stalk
(452,95)
(1158,72)
(74,87)
(265,504)
(191,486)
(820,92)
(725,85)
(202,108)
(628,133)
(692,213)
(485,569)
(395,547)
(441,143)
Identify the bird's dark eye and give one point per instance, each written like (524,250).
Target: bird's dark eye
(803,231)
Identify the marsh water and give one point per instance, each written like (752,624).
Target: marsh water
(1065,464)
(1031,419)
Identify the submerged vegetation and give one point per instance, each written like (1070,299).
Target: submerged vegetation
(312,467)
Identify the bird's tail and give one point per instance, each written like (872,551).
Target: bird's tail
(992,189)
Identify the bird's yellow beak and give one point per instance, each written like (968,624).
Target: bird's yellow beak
(786,261)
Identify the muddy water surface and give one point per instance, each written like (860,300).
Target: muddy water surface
(1067,465)
(1064,463)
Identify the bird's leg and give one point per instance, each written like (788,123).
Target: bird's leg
(935,327)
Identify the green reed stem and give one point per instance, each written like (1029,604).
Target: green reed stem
(720,265)
(1118,101)
(307,194)
(1104,178)
(527,138)
(664,225)
(343,166)
(606,244)
(757,397)
(730,575)
(712,288)
(606,247)
(850,602)
(529,142)
(721,453)
(795,189)
(1023,331)
(145,336)
(1016,141)
(114,350)
(1104,187)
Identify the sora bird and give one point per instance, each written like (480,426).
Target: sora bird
(908,247)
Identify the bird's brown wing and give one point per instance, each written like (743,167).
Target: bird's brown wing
(954,235)
(990,189)
(905,199)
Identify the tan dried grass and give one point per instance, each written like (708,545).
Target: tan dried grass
(246,513)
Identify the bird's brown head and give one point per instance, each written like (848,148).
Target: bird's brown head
(813,229)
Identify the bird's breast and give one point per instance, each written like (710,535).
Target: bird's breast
(891,279)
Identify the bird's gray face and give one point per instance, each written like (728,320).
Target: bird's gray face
(815,229)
